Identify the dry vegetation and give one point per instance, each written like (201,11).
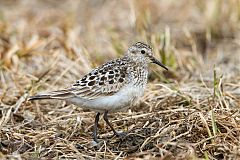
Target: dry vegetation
(190,112)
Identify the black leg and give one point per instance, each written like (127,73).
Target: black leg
(105,117)
(95,127)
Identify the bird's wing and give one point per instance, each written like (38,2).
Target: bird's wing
(102,81)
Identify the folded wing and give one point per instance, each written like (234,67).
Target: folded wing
(102,81)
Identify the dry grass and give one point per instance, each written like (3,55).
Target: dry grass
(190,112)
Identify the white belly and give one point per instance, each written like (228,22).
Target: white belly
(124,98)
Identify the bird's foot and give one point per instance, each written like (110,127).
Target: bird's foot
(95,144)
(120,135)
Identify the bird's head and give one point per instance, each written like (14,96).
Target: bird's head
(143,52)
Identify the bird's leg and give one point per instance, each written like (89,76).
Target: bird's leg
(105,117)
(95,127)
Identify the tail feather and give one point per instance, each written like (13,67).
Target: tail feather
(60,94)
(38,97)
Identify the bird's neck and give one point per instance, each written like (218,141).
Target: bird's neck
(138,72)
(138,61)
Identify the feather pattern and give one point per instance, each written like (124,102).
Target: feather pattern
(105,80)
(112,86)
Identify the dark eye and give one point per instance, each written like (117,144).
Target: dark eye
(142,51)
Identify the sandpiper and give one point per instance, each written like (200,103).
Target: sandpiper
(115,85)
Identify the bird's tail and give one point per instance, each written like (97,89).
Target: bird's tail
(60,94)
(38,97)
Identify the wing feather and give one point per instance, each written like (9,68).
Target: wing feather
(105,80)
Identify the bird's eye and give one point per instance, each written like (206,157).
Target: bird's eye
(143,51)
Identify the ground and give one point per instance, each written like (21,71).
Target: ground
(191,111)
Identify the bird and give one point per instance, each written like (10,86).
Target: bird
(111,87)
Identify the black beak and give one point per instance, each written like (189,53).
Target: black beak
(154,60)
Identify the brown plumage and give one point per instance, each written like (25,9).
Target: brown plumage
(113,86)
